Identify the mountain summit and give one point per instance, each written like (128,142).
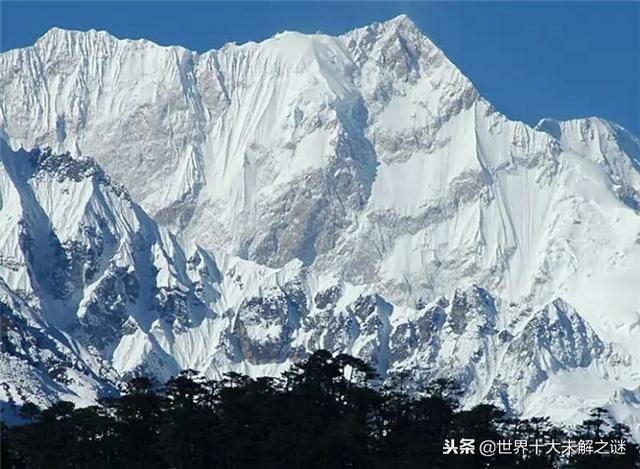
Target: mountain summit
(239,129)
(354,193)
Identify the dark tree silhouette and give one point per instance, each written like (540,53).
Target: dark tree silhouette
(328,412)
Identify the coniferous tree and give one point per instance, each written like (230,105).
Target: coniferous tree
(137,416)
(607,449)
(326,412)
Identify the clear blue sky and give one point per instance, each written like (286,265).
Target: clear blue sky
(531,60)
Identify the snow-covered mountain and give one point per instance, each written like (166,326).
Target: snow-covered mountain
(354,193)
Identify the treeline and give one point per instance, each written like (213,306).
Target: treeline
(323,413)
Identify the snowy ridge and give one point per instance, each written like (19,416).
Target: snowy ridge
(121,296)
(609,145)
(354,193)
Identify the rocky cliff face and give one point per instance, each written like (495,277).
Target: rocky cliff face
(353,193)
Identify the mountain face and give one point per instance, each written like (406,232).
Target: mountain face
(353,193)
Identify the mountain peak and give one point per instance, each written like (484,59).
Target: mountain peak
(56,34)
(53,33)
(607,144)
(401,26)
(401,21)
(547,124)
(589,128)
(70,39)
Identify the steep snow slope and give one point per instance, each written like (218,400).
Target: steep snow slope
(615,149)
(272,137)
(93,291)
(365,162)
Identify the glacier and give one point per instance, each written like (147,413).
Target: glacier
(263,200)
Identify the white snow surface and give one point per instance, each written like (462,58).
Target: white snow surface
(323,192)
